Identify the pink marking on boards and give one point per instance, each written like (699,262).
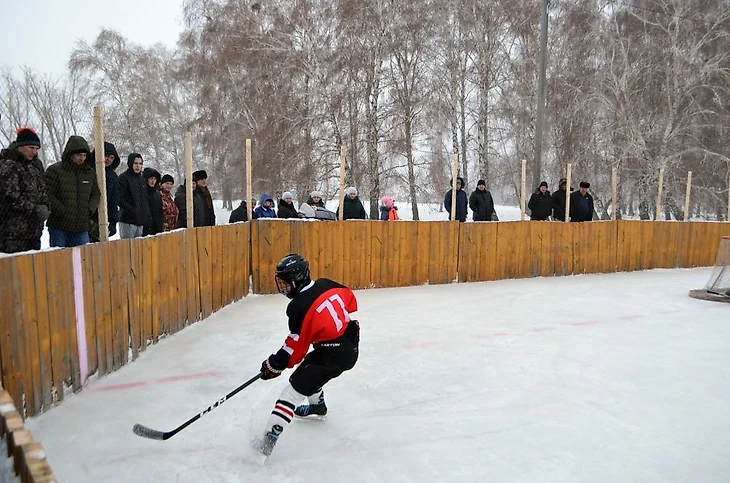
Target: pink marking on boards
(80,318)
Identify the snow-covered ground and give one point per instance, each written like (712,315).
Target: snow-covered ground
(592,378)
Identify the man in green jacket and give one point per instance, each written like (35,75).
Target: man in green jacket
(74,195)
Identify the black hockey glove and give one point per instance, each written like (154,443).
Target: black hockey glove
(268,371)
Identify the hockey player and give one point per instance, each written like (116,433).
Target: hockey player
(319,315)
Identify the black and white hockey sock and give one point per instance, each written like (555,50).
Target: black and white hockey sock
(283,411)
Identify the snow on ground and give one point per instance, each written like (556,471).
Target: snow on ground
(592,378)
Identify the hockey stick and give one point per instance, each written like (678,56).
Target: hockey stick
(145,432)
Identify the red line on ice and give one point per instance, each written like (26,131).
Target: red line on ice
(542,329)
(588,322)
(161,380)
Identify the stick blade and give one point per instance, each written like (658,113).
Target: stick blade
(145,432)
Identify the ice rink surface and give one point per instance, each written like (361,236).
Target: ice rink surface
(592,378)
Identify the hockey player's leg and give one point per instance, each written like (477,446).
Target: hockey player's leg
(316,409)
(280,418)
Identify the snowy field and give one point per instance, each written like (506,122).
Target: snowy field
(591,378)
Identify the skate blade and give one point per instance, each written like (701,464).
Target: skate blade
(312,417)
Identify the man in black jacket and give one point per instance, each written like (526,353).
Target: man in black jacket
(153,225)
(559,200)
(481,202)
(581,204)
(541,204)
(134,207)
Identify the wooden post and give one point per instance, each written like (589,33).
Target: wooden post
(658,215)
(686,196)
(101,174)
(728,197)
(614,192)
(454,170)
(249,203)
(567,192)
(523,190)
(188,146)
(342,182)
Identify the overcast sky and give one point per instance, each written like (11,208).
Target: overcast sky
(41,34)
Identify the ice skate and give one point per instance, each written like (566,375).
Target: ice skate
(311,411)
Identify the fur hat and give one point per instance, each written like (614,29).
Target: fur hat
(198,175)
(26,136)
(287,195)
(167,178)
(315,194)
(481,182)
(350,190)
(585,184)
(544,183)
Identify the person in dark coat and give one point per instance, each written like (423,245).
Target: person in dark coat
(352,208)
(581,204)
(461,201)
(240,213)
(481,202)
(74,195)
(24,204)
(266,207)
(541,203)
(154,223)
(203,212)
(559,200)
(111,163)
(134,206)
(286,206)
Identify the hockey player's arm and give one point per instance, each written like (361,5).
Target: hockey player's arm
(293,350)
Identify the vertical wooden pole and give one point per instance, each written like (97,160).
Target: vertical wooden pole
(523,190)
(454,170)
(342,182)
(188,146)
(658,215)
(249,189)
(567,192)
(101,174)
(614,191)
(728,197)
(686,196)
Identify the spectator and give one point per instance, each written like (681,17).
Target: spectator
(388,210)
(111,163)
(134,206)
(541,203)
(240,213)
(286,206)
(480,202)
(559,200)
(461,201)
(352,208)
(266,207)
(315,200)
(74,195)
(154,222)
(24,204)
(204,213)
(169,208)
(581,204)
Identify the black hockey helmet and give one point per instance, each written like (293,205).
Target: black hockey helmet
(292,274)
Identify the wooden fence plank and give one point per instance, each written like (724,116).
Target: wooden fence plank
(41,268)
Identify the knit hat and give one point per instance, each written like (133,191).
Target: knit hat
(350,190)
(287,196)
(167,178)
(585,184)
(481,182)
(544,183)
(562,182)
(387,201)
(26,136)
(315,194)
(198,175)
